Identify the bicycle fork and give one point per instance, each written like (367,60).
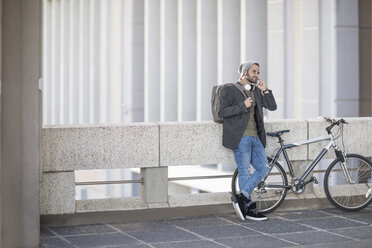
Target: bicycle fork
(342,157)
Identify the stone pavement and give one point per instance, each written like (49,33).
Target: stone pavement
(305,228)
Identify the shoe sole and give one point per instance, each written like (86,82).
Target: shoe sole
(237,210)
(255,219)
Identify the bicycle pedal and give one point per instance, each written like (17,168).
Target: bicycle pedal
(315,180)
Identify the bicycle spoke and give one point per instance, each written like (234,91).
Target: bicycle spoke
(349,195)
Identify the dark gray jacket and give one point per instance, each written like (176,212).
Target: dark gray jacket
(235,114)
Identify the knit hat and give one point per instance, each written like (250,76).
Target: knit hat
(245,67)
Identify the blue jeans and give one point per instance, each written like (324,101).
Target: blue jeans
(250,151)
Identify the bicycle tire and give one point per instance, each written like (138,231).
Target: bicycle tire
(267,203)
(344,195)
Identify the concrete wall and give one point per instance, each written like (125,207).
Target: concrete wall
(154,147)
(20,124)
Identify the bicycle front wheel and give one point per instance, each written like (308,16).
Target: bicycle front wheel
(348,186)
(269,194)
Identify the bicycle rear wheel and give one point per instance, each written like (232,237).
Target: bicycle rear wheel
(352,195)
(270,193)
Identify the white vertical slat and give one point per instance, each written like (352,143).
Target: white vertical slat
(56,60)
(310,59)
(276,58)
(65,58)
(253,33)
(115,68)
(126,63)
(229,40)
(297,57)
(74,65)
(109,61)
(137,62)
(187,59)
(288,60)
(47,62)
(168,74)
(103,62)
(180,68)
(206,55)
(152,60)
(84,62)
(93,61)
(61,68)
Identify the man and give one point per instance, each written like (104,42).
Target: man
(244,133)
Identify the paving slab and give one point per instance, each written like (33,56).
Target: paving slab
(199,221)
(312,237)
(300,215)
(254,242)
(45,232)
(129,246)
(163,235)
(300,228)
(215,232)
(330,223)
(189,244)
(144,226)
(82,229)
(99,240)
(353,244)
(54,242)
(364,232)
(276,226)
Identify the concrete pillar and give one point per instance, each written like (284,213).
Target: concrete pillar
(152,60)
(228,40)
(206,56)
(276,55)
(20,124)
(296,70)
(365,43)
(310,59)
(253,40)
(347,38)
(187,60)
(154,190)
(327,58)
(137,49)
(169,68)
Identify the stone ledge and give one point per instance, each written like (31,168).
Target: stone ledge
(57,193)
(68,148)
(112,204)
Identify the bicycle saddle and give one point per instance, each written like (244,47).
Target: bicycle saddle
(277,133)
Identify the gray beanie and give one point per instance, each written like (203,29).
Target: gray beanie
(245,67)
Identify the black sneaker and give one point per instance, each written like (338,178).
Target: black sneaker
(253,214)
(240,206)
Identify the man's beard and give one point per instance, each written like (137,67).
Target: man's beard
(250,79)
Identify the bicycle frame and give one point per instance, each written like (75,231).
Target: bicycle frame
(311,167)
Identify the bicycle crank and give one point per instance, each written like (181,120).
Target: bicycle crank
(297,186)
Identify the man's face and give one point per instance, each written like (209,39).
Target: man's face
(252,73)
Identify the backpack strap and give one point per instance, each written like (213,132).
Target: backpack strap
(241,89)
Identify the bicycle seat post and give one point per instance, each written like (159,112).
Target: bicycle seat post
(281,141)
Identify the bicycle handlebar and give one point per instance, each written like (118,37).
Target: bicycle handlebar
(334,123)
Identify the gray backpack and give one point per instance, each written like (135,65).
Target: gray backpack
(215,100)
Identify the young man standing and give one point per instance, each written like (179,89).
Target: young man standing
(244,133)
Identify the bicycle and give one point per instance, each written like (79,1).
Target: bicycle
(347,180)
